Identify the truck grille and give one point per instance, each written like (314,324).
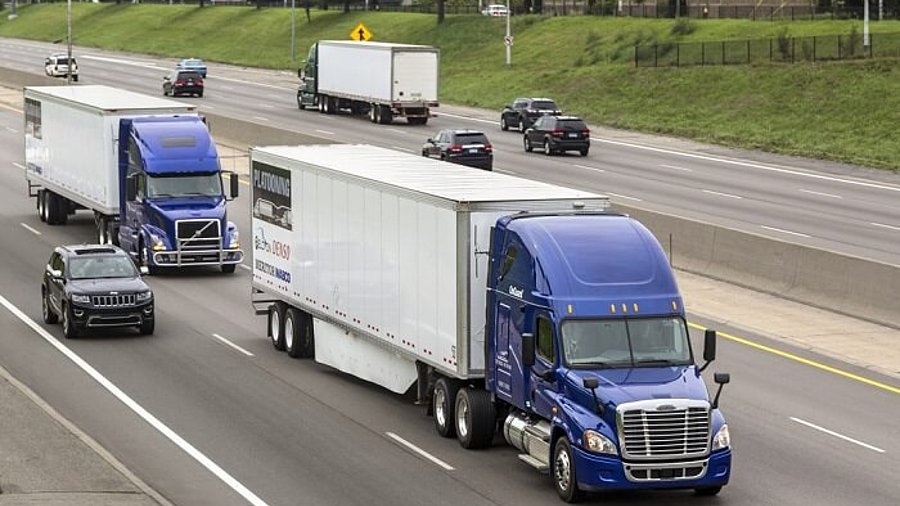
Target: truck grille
(198,234)
(112,300)
(664,429)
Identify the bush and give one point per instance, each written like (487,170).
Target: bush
(683,27)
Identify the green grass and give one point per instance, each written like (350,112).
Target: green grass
(846,111)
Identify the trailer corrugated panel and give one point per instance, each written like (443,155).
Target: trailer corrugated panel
(386,244)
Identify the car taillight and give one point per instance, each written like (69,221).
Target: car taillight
(557,133)
(179,83)
(488,148)
(199,82)
(586,132)
(456,148)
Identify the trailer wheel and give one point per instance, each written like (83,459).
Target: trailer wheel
(57,209)
(276,325)
(298,333)
(41,208)
(307,336)
(563,471)
(102,226)
(444,406)
(475,418)
(385,115)
(373,113)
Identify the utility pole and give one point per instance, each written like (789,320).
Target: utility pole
(12,10)
(293,34)
(508,39)
(866,45)
(69,38)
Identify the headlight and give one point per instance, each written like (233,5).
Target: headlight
(144,296)
(81,299)
(598,443)
(158,244)
(722,439)
(235,240)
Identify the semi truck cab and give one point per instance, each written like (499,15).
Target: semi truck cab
(171,194)
(589,348)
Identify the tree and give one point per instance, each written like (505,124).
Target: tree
(440,11)
(346,6)
(308,17)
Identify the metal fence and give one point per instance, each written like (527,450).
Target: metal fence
(783,49)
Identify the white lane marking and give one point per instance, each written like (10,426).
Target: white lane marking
(268,106)
(837,435)
(882,225)
(626,197)
(720,194)
(121,61)
(326,132)
(420,451)
(506,171)
(11,130)
(783,231)
(261,118)
(205,106)
(30,229)
(136,408)
(247,267)
(820,194)
(19,165)
(229,343)
(403,149)
(731,161)
(585,167)
(397,130)
(675,167)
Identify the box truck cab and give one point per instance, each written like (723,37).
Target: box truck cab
(590,352)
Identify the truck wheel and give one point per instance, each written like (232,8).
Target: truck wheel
(503,125)
(47,313)
(385,114)
(102,226)
(68,325)
(147,326)
(475,418)
(307,336)
(563,471)
(144,259)
(228,268)
(300,104)
(57,211)
(444,406)
(298,333)
(41,205)
(276,325)
(707,491)
(373,113)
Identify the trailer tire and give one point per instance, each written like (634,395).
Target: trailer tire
(443,409)
(57,209)
(307,348)
(276,325)
(298,333)
(41,206)
(563,471)
(102,227)
(476,418)
(385,115)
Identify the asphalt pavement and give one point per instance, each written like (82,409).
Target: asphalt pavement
(47,460)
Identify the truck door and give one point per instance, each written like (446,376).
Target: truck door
(543,382)
(132,210)
(502,366)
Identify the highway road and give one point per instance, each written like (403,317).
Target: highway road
(206,412)
(826,205)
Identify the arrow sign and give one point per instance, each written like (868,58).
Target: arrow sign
(360,33)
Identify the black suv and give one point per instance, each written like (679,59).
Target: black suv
(465,147)
(91,286)
(525,111)
(183,82)
(556,134)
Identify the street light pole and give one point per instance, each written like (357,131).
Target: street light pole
(69,38)
(508,45)
(866,27)
(293,33)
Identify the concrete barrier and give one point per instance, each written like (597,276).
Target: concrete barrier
(844,284)
(848,285)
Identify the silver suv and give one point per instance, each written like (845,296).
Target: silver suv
(57,65)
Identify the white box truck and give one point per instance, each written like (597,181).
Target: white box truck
(136,161)
(508,302)
(382,79)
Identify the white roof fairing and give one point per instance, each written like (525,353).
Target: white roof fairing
(107,98)
(424,175)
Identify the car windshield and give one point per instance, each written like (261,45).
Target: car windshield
(188,75)
(571,124)
(209,185)
(108,266)
(544,105)
(626,343)
(192,63)
(474,138)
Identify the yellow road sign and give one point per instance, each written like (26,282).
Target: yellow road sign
(360,33)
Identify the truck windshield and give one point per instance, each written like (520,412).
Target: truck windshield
(626,343)
(180,185)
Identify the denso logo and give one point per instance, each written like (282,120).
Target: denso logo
(277,248)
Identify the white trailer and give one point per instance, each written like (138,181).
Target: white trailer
(71,151)
(383,265)
(383,79)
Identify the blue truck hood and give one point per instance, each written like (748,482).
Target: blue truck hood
(164,212)
(618,386)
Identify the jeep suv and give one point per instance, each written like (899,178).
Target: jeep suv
(557,134)
(57,65)
(93,286)
(465,147)
(525,111)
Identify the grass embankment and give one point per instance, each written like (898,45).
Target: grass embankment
(848,111)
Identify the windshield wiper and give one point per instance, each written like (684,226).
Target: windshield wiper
(657,361)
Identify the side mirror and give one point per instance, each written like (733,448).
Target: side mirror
(430,140)
(130,189)
(709,348)
(55,274)
(234,182)
(721,378)
(527,349)
(591,383)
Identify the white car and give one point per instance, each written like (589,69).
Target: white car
(57,65)
(495,10)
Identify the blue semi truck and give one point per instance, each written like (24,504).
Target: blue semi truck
(147,167)
(509,306)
